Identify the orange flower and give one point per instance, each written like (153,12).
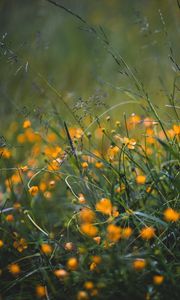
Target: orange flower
(14,269)
(69,246)
(171,215)
(46,249)
(40,291)
(33,190)
(150,136)
(1,244)
(24,168)
(158,279)
(88,285)
(120,188)
(97,239)
(31,136)
(51,137)
(140,179)
(72,263)
(139,264)
(115,212)
(82,295)
(87,215)
(133,121)
(113,232)
(89,229)
(17,205)
(147,233)
(99,165)
(112,151)
(97,259)
(52,152)
(81,199)
(130,143)
(176,129)
(5,153)
(126,232)
(21,138)
(75,133)
(61,273)
(42,186)
(10,218)
(54,165)
(27,124)
(104,206)
(148,122)
(20,245)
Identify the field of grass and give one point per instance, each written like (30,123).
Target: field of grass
(89,154)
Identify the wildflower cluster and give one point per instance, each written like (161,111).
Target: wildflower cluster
(88,217)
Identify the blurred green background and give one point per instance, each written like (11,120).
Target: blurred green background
(43,45)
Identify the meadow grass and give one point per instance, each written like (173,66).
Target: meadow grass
(89,206)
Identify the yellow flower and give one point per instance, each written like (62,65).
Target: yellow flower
(171,215)
(118,123)
(33,190)
(93,266)
(72,263)
(89,229)
(133,120)
(14,269)
(46,249)
(139,264)
(112,151)
(84,165)
(113,233)
(104,206)
(141,179)
(20,245)
(147,233)
(27,124)
(1,244)
(158,279)
(40,291)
